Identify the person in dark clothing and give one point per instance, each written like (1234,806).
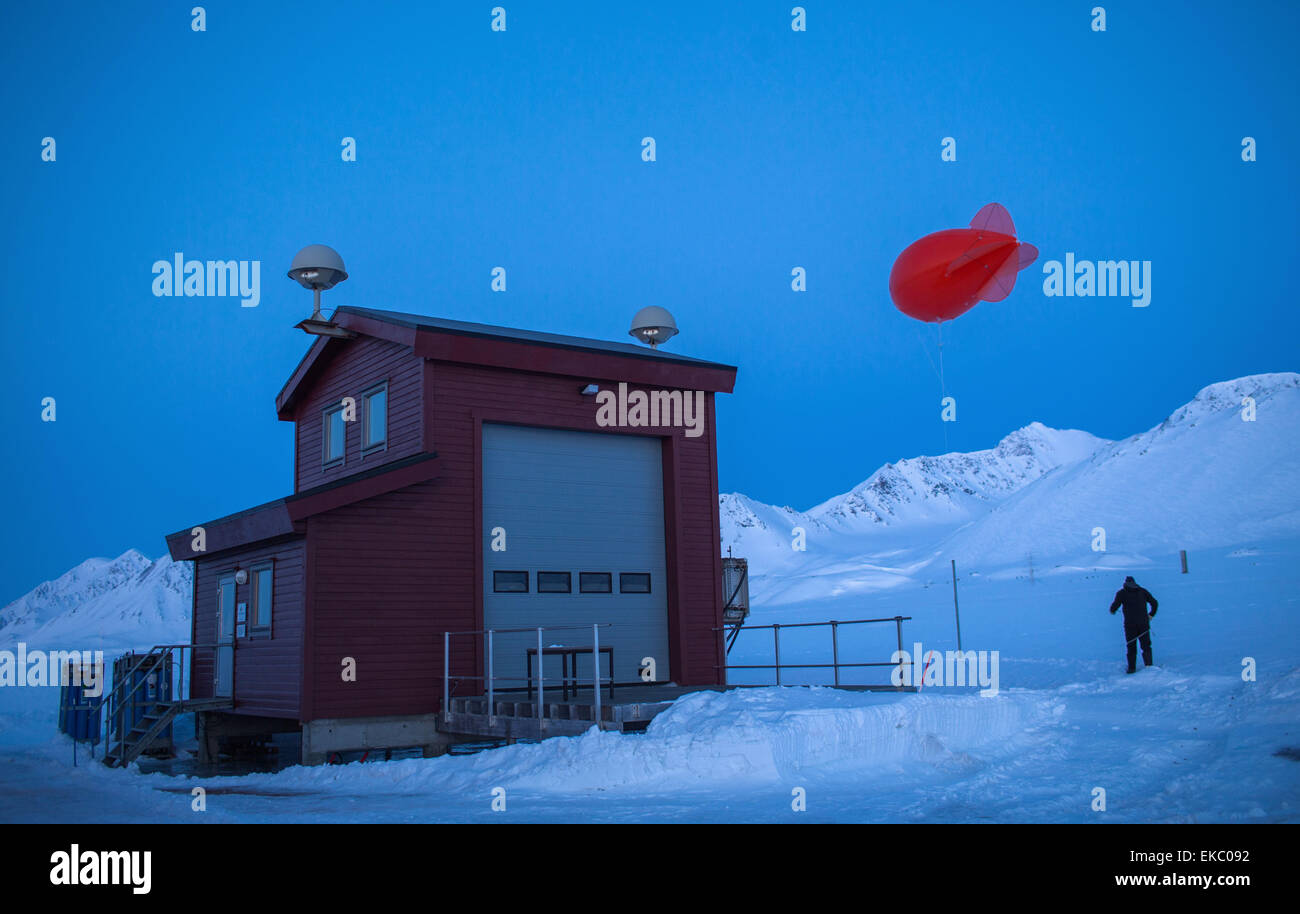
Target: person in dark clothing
(1137,626)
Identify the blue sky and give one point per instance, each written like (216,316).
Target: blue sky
(521,149)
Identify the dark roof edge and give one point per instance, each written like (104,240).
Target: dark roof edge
(245,534)
(305,364)
(533,337)
(247,512)
(362,476)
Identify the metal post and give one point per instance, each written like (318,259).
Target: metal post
(492,704)
(1182,557)
(955,610)
(776,637)
(898,624)
(540,663)
(835,649)
(595,662)
(446,677)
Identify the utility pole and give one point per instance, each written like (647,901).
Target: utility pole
(955,609)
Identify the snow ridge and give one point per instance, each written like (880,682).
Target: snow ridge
(951,486)
(125,601)
(1212,473)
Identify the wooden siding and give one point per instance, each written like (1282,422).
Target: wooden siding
(268,671)
(387,583)
(393,572)
(396,571)
(355,367)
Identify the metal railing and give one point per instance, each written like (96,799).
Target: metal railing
(491,679)
(835,663)
(116,701)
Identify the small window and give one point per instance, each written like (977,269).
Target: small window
(333,434)
(595,582)
(263,579)
(554,582)
(510,582)
(633,582)
(374,418)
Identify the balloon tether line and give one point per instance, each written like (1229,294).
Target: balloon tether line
(943,388)
(929,358)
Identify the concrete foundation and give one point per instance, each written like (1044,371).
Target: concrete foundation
(321,738)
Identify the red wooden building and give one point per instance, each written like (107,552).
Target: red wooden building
(459,477)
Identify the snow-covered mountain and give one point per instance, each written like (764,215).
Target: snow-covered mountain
(90,579)
(129,600)
(914,498)
(954,487)
(1209,475)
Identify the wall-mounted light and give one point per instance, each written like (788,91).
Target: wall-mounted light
(591,390)
(241,576)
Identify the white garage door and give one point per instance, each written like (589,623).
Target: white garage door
(583,521)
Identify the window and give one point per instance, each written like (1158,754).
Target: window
(262,578)
(633,582)
(554,582)
(595,582)
(333,435)
(374,418)
(510,582)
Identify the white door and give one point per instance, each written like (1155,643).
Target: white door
(225,672)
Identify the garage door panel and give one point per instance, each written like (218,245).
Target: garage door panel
(575,502)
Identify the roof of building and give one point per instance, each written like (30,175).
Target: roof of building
(508,348)
(283,516)
(425,322)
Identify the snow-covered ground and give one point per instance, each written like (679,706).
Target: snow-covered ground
(1190,740)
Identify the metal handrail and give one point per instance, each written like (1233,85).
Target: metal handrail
(491,680)
(152,655)
(832,622)
(835,665)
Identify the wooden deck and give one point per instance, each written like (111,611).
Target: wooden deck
(221,703)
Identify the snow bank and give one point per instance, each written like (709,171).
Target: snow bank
(709,739)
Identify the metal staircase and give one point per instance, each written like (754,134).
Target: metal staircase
(145,684)
(129,747)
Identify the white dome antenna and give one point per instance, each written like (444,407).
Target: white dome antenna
(653,325)
(319,267)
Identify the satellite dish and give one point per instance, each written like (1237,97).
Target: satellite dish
(653,325)
(319,267)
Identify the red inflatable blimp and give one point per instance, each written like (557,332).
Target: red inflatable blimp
(943,275)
